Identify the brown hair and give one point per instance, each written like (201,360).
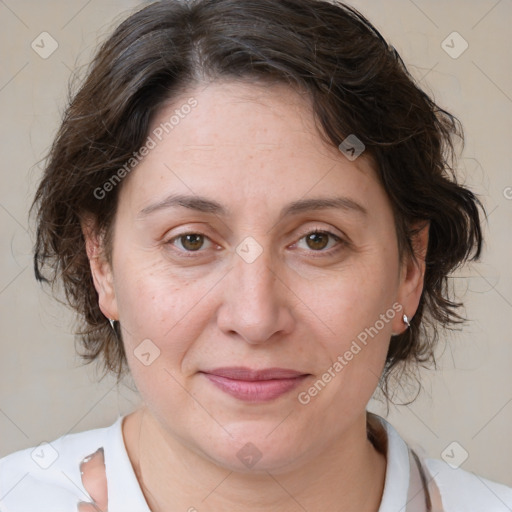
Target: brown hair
(358,85)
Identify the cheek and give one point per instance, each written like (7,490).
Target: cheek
(161,317)
(155,304)
(356,312)
(354,297)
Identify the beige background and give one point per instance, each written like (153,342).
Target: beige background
(45,393)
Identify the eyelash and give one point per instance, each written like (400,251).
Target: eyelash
(340,243)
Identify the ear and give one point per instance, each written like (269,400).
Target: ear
(101,269)
(412,276)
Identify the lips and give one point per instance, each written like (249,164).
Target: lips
(242,373)
(255,385)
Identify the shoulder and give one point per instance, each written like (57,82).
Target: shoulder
(47,476)
(458,490)
(467,492)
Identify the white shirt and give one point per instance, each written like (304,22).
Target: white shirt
(47,478)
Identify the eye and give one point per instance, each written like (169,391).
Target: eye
(190,242)
(318,240)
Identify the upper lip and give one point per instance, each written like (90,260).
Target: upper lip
(248,374)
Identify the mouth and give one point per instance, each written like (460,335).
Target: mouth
(255,385)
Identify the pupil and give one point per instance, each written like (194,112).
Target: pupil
(314,238)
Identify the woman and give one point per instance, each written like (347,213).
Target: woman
(250,204)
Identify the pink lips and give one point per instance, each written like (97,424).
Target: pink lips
(255,385)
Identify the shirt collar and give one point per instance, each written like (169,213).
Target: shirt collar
(396,483)
(124,492)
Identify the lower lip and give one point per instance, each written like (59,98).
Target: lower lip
(255,391)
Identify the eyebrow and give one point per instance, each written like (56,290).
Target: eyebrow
(206,205)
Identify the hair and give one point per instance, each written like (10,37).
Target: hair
(358,85)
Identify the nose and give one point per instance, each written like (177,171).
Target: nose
(256,301)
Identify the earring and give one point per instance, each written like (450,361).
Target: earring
(406,321)
(112,324)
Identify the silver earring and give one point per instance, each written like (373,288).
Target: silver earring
(112,322)
(406,321)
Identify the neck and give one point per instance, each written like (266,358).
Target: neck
(348,476)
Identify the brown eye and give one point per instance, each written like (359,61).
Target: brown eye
(192,241)
(317,240)
(323,242)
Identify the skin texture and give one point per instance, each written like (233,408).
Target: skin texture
(298,305)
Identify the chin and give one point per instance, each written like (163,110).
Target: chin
(255,448)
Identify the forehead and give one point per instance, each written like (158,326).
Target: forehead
(243,115)
(244,142)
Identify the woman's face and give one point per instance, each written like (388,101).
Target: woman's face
(243,242)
